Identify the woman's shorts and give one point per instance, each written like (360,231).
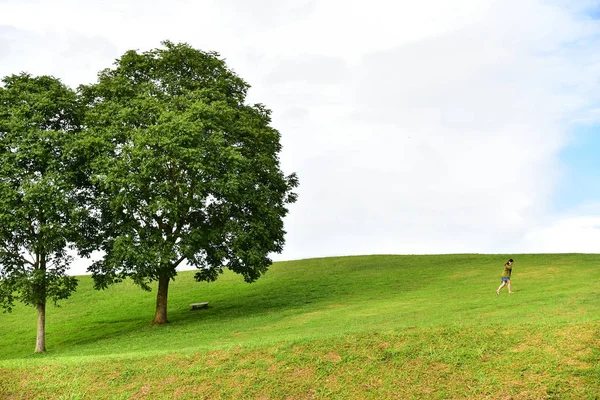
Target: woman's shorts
(505,279)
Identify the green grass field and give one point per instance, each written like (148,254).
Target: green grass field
(368,327)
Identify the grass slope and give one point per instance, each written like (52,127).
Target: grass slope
(348,327)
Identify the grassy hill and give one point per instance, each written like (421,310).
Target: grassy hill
(348,327)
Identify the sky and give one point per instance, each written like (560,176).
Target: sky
(415,127)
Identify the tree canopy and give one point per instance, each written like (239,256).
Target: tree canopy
(184,170)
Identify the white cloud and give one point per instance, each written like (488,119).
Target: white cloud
(71,56)
(445,144)
(415,127)
(315,70)
(569,234)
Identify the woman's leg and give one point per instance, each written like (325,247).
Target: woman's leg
(509,291)
(501,286)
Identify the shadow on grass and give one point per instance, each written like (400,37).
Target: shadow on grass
(315,284)
(290,288)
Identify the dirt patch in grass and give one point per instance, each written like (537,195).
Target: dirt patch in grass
(142,392)
(429,363)
(332,357)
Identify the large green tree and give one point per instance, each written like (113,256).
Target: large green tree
(40,205)
(185,171)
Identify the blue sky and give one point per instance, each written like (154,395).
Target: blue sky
(593,11)
(580,158)
(432,126)
(580,183)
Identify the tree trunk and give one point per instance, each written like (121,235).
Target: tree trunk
(40,343)
(161,301)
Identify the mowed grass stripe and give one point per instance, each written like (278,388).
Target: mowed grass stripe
(437,316)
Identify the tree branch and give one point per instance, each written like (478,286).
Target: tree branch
(26,261)
(176,263)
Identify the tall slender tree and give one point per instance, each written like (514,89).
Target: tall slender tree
(40,205)
(185,171)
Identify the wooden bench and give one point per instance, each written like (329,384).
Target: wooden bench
(198,306)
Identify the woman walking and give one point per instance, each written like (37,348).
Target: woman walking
(506,276)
